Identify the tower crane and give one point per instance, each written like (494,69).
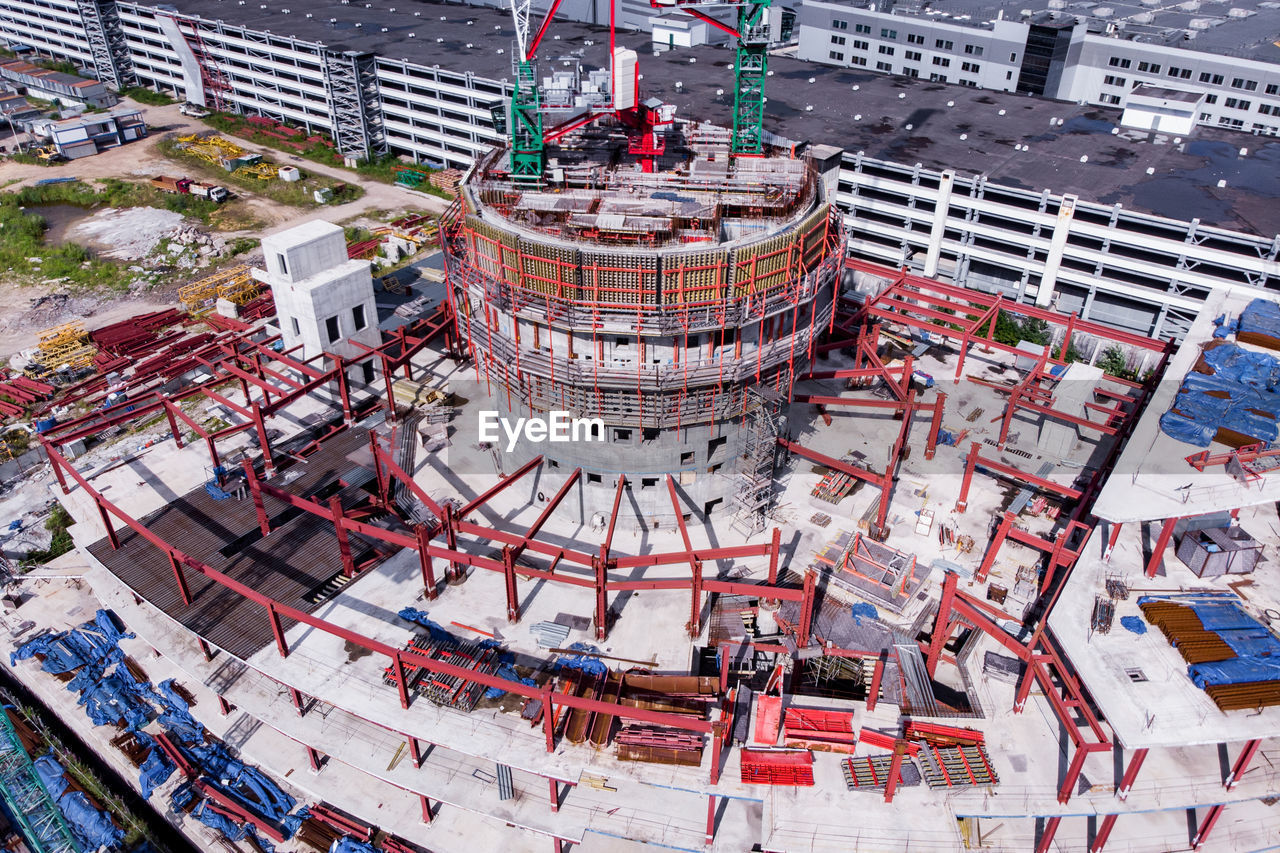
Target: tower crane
(750,66)
(525,124)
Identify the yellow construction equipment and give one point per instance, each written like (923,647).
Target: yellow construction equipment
(200,297)
(261,171)
(66,345)
(239,290)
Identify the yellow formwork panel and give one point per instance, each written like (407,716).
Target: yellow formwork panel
(239,291)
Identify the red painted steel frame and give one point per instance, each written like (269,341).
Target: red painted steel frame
(883,482)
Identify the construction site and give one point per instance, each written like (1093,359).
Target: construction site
(845,557)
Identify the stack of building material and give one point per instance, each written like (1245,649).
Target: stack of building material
(1230,655)
(447,180)
(19,391)
(777,767)
(549,635)
(137,335)
(833,486)
(871,772)
(659,745)
(826,731)
(957,766)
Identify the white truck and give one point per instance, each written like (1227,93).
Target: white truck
(210,191)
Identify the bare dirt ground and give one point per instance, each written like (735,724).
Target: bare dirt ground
(26,310)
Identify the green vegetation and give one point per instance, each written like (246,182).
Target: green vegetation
(147,96)
(241,245)
(57,523)
(297,193)
(1009,330)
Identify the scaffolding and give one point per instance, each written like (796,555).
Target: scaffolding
(25,797)
(66,346)
(754,493)
(107,44)
(351,85)
(235,284)
(217,87)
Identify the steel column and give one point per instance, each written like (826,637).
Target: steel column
(806,609)
(935,425)
(555,795)
(775,547)
(278,630)
(962,503)
(1104,832)
(873,694)
(1066,789)
(1242,763)
(181,579)
(895,770)
(340,531)
(1131,772)
(1206,826)
(402,684)
(415,752)
(426,808)
(711,818)
(943,619)
(1046,837)
(1162,542)
(424,558)
(296,695)
(989,558)
(315,758)
(224,707)
(509,573)
(255,490)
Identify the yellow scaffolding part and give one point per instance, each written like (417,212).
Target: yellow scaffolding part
(200,297)
(240,290)
(67,345)
(261,171)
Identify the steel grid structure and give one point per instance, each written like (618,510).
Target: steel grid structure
(351,86)
(107,43)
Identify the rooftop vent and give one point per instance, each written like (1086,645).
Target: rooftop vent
(412,35)
(384,29)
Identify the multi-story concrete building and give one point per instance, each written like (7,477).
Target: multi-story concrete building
(1156,221)
(1064,52)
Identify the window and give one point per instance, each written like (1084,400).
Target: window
(296,329)
(886,49)
(1111,80)
(1013,57)
(1215,79)
(836,55)
(860,45)
(942,61)
(858,60)
(837,24)
(1265,130)
(865,29)
(1233,123)
(973,49)
(1237,104)
(357,316)
(1205,117)
(622,435)
(648,482)
(912,55)
(1008,75)
(971,67)
(686,458)
(331,328)
(1273,88)
(943,44)
(1118,62)
(1247,85)
(651,434)
(1110,99)
(1183,73)
(972,84)
(593,478)
(938,78)
(1149,67)
(1211,99)
(910,72)
(284,268)
(883,66)
(837,39)
(915,38)
(887,33)
(1267,110)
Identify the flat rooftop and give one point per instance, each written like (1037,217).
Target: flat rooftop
(1013,140)
(1245,29)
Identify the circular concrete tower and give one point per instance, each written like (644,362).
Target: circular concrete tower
(673,309)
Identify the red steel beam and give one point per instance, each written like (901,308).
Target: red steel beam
(501,485)
(1242,764)
(1162,542)
(1206,826)
(695,565)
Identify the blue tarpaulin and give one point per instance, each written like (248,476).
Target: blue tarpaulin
(347,844)
(230,829)
(590,665)
(1235,671)
(156,770)
(1241,394)
(1222,616)
(1261,316)
(1133,624)
(864,611)
(177,715)
(507,671)
(419,617)
(91,825)
(93,642)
